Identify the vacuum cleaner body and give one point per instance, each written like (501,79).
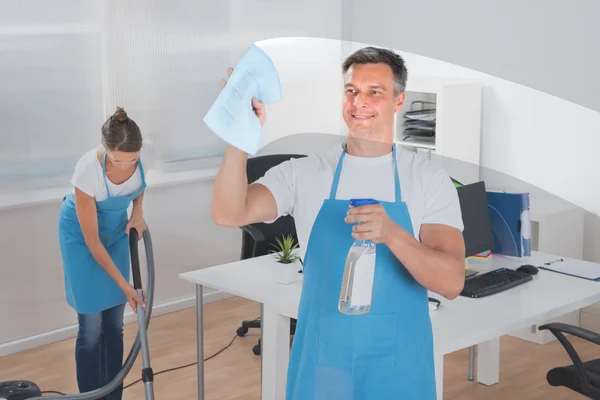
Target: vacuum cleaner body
(19,390)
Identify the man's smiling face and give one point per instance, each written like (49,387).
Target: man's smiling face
(369,101)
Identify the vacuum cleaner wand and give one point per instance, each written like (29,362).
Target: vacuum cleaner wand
(147,374)
(26,390)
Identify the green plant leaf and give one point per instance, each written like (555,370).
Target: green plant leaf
(284,249)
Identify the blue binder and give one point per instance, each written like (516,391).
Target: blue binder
(511,224)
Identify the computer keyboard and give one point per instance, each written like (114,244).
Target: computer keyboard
(493,282)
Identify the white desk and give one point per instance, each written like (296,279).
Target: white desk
(457,325)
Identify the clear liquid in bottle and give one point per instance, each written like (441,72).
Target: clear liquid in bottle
(359,274)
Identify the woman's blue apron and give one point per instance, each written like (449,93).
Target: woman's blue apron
(384,354)
(89,288)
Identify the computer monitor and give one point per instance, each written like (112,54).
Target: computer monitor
(477,231)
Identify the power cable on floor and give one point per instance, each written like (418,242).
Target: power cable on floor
(166,370)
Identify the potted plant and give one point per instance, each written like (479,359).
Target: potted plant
(287,272)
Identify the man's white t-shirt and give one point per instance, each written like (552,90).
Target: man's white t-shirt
(301,185)
(89,177)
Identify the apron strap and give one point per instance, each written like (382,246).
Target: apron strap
(142,171)
(143,175)
(336,177)
(397,179)
(104,174)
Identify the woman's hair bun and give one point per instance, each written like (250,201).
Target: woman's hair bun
(120,115)
(120,133)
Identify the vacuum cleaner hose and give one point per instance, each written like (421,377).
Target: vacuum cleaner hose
(120,377)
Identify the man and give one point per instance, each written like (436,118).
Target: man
(386,353)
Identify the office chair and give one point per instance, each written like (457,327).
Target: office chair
(259,238)
(581,377)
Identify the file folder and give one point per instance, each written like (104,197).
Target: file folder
(511,223)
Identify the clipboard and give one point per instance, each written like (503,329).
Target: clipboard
(575,268)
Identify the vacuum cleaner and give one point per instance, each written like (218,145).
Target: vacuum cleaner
(27,390)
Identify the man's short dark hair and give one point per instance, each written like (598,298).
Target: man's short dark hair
(375,55)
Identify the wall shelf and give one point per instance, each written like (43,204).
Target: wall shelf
(419,144)
(456,144)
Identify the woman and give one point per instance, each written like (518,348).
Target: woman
(93,229)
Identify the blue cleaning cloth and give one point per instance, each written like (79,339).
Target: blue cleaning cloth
(231,117)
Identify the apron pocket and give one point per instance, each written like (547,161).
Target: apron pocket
(357,340)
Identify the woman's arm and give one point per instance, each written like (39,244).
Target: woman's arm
(138,204)
(88,220)
(137,216)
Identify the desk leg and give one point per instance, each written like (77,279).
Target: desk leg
(275,353)
(262,341)
(200,341)
(488,362)
(472,363)
(439,375)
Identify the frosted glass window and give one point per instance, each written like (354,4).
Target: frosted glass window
(163,60)
(51,88)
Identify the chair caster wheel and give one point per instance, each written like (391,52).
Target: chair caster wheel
(256,349)
(241,331)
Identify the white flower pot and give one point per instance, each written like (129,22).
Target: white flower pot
(286,273)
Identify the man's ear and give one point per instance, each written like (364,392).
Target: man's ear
(399,101)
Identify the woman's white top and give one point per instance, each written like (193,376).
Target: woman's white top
(89,177)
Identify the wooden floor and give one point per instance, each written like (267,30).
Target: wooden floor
(235,373)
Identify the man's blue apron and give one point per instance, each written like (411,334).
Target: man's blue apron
(384,354)
(89,288)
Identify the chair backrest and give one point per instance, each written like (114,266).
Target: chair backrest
(255,169)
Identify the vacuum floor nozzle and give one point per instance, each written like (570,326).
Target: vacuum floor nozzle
(18,390)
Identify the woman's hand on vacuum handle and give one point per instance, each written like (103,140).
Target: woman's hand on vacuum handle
(136,222)
(132,297)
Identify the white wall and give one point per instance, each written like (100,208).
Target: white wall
(312,87)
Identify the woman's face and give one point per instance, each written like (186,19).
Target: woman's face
(121,159)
